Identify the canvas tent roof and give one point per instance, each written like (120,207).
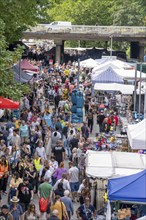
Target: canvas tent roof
(124,89)
(113,164)
(126,74)
(8,104)
(25,65)
(107,76)
(24,76)
(137,135)
(115,64)
(129,188)
(89,63)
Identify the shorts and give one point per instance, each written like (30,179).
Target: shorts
(74,186)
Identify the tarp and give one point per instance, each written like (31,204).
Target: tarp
(129,188)
(24,77)
(123,88)
(107,76)
(137,135)
(126,74)
(113,164)
(25,65)
(115,64)
(89,63)
(8,104)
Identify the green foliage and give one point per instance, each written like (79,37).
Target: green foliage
(18,15)
(8,87)
(130,13)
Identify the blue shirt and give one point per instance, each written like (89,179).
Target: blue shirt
(68,204)
(48,119)
(16,213)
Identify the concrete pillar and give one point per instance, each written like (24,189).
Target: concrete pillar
(58,51)
(141,52)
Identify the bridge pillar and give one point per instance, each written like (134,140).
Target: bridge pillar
(141,52)
(59,50)
(137,50)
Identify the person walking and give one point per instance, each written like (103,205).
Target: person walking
(16,209)
(90,119)
(73,179)
(45,193)
(68,203)
(86,211)
(25,193)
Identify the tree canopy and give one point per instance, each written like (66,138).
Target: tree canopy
(91,12)
(18,15)
(8,87)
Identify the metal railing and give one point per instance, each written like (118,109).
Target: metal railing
(100,30)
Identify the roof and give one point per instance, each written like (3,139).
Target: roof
(137,135)
(113,164)
(129,188)
(107,76)
(123,88)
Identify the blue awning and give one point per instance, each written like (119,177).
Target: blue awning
(129,188)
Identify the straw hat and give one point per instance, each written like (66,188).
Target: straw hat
(14,199)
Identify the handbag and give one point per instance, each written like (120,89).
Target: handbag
(63,218)
(43,204)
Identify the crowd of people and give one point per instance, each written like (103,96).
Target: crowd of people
(43,153)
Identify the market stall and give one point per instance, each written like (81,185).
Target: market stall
(101,164)
(129,189)
(8,104)
(137,135)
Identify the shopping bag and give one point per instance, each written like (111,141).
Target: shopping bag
(43,204)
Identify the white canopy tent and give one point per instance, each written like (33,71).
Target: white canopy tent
(124,89)
(89,63)
(113,164)
(115,64)
(126,74)
(137,135)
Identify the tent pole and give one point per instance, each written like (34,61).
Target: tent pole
(78,73)
(140,91)
(135,87)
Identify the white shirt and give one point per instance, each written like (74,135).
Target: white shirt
(41,152)
(66,185)
(53,165)
(74,175)
(48,175)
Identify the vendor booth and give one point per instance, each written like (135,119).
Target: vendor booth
(128,188)
(107,76)
(124,89)
(89,63)
(125,191)
(101,164)
(25,65)
(8,104)
(137,135)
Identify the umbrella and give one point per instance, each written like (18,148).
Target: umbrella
(8,104)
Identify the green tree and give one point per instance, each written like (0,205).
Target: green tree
(88,12)
(131,13)
(8,87)
(18,15)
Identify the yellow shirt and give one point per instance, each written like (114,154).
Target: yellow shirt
(59,207)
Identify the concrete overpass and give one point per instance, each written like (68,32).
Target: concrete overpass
(135,35)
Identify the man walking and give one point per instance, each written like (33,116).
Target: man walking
(73,179)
